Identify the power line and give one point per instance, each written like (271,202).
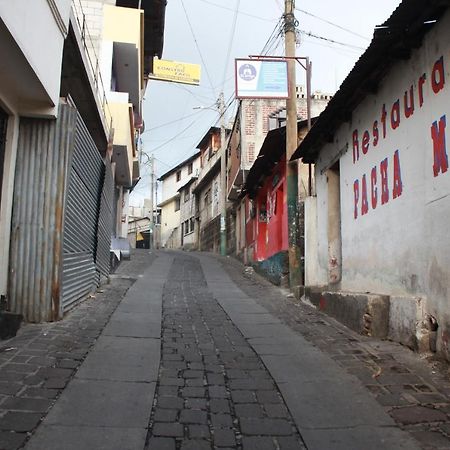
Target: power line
(172,122)
(315,36)
(230,44)
(273,36)
(198,48)
(173,138)
(239,12)
(332,24)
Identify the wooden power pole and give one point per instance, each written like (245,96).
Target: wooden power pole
(291,145)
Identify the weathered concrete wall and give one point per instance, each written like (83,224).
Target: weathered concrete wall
(274,268)
(365,313)
(395,183)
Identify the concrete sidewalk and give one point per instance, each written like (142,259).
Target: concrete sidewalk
(108,403)
(330,407)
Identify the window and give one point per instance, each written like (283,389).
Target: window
(189,168)
(177,204)
(178,175)
(192,220)
(207,197)
(186,195)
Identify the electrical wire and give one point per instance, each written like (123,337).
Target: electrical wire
(230,44)
(315,36)
(239,12)
(172,122)
(332,24)
(273,36)
(174,137)
(198,48)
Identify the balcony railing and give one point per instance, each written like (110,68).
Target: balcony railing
(93,63)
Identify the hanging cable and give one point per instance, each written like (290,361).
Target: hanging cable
(198,48)
(230,44)
(332,24)
(239,12)
(315,36)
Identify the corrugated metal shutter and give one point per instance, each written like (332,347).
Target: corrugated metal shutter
(105,223)
(43,159)
(81,218)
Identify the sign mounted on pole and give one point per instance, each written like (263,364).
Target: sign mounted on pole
(261,78)
(176,72)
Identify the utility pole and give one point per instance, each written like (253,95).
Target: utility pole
(223,178)
(152,217)
(291,145)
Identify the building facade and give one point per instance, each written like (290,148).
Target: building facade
(171,182)
(377,253)
(58,172)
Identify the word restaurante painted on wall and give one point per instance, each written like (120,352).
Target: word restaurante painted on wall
(380,129)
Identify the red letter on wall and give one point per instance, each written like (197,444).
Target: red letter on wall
(355,146)
(356,197)
(384,181)
(395,115)
(364,202)
(398,186)
(373,178)
(438,70)
(439,151)
(365,142)
(376,133)
(409,105)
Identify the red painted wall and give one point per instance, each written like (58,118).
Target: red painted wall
(267,230)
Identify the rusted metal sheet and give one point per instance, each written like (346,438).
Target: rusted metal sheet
(43,157)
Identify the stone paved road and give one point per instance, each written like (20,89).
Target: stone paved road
(213,390)
(37,364)
(339,389)
(413,389)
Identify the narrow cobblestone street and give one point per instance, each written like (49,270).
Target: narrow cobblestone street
(213,387)
(189,351)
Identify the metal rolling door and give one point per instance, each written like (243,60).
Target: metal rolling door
(82,210)
(105,222)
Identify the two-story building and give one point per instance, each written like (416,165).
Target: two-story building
(171,182)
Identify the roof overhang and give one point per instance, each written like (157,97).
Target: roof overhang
(394,40)
(154,20)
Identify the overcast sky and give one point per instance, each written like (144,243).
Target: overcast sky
(211,33)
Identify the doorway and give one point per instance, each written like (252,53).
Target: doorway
(334,225)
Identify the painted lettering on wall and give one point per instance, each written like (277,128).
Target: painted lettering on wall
(391,118)
(383,183)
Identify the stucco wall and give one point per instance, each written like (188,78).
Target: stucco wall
(170,185)
(37,72)
(170,219)
(395,183)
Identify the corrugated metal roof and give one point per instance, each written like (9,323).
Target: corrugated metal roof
(392,41)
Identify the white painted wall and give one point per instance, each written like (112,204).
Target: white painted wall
(170,185)
(7,199)
(400,247)
(170,219)
(41,45)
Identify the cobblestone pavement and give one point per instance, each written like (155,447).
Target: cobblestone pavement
(213,390)
(36,365)
(414,390)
